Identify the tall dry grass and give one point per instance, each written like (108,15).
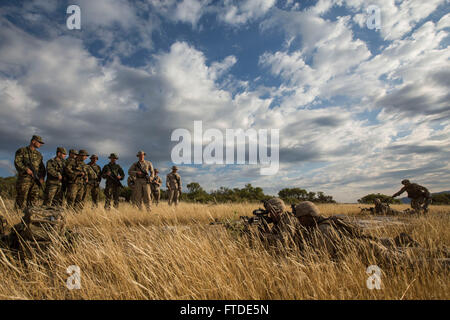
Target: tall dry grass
(173,253)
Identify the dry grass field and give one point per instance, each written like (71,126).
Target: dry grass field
(175,254)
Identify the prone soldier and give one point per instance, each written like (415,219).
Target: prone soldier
(173,184)
(113,173)
(31,173)
(55,172)
(155,186)
(94,179)
(142,172)
(77,173)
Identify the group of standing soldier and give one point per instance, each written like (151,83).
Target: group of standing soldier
(73,179)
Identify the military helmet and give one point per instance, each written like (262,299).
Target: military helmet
(61,149)
(73,151)
(174,168)
(275,205)
(113,156)
(38,139)
(94,156)
(83,152)
(140,152)
(306,208)
(406,181)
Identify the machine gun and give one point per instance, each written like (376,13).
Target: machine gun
(144,172)
(114,177)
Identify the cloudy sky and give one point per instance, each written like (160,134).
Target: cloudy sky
(358,109)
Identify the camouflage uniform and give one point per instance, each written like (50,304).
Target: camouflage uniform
(332,233)
(384,208)
(26,188)
(141,188)
(173,184)
(419,195)
(72,156)
(112,188)
(155,186)
(93,184)
(76,181)
(55,171)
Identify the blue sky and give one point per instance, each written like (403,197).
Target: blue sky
(358,109)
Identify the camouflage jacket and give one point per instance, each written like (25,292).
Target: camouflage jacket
(173,181)
(414,191)
(115,169)
(94,174)
(74,170)
(55,169)
(156,182)
(147,166)
(27,158)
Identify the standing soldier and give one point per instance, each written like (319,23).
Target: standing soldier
(113,174)
(94,178)
(142,171)
(30,173)
(77,174)
(55,172)
(60,197)
(419,195)
(155,186)
(173,184)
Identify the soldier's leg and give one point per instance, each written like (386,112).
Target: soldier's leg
(138,188)
(176,197)
(116,194)
(33,195)
(50,192)
(415,205)
(71,195)
(94,195)
(146,196)
(87,190)
(427,203)
(108,197)
(22,188)
(79,203)
(171,195)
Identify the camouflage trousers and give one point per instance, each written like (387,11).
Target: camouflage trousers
(75,192)
(156,195)
(112,192)
(173,196)
(27,193)
(53,194)
(142,193)
(93,191)
(417,203)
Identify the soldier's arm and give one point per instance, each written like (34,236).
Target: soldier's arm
(99,174)
(19,162)
(167,182)
(51,169)
(179,182)
(399,193)
(41,170)
(151,170)
(133,171)
(104,171)
(121,173)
